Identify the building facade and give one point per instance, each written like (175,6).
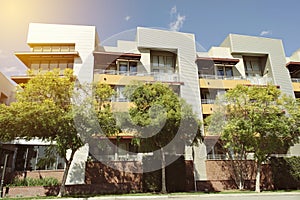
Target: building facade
(165,56)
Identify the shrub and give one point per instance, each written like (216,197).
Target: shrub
(286,172)
(48,181)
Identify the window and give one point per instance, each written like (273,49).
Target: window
(53,48)
(253,66)
(44,67)
(225,71)
(127,66)
(37,157)
(163,62)
(119,93)
(53,65)
(133,67)
(123,67)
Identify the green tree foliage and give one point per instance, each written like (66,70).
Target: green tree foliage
(46,107)
(160,116)
(258,120)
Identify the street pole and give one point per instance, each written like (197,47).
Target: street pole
(2,177)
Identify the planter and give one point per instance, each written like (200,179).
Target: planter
(30,191)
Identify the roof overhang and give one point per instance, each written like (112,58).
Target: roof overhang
(106,58)
(25,57)
(20,78)
(218,60)
(293,66)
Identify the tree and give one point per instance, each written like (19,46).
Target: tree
(46,107)
(258,120)
(161,116)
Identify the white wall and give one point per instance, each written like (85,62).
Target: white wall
(247,45)
(84,38)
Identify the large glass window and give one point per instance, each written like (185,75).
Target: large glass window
(38,157)
(253,66)
(127,67)
(163,62)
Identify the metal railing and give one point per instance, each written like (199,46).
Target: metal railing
(211,76)
(208,101)
(295,80)
(126,157)
(217,157)
(158,76)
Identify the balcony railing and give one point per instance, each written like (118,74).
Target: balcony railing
(295,80)
(119,99)
(116,157)
(163,77)
(211,76)
(217,157)
(208,101)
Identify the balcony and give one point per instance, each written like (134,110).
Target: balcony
(221,82)
(21,78)
(114,77)
(296,84)
(207,109)
(118,157)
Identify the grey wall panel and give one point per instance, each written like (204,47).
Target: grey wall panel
(247,45)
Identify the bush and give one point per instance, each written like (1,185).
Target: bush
(48,181)
(286,172)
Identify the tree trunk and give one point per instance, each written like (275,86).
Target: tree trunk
(257,182)
(163,172)
(62,189)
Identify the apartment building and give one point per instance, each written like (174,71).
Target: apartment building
(7,90)
(165,56)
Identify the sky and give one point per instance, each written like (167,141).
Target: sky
(210,20)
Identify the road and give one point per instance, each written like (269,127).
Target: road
(252,196)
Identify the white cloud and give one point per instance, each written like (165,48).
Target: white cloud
(264,33)
(127,18)
(178,23)
(173,10)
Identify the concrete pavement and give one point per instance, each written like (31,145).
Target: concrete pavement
(240,196)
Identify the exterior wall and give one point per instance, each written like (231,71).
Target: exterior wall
(120,79)
(248,45)
(220,52)
(219,175)
(7,90)
(84,38)
(76,173)
(98,173)
(184,45)
(221,84)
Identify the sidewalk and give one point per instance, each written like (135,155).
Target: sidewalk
(222,196)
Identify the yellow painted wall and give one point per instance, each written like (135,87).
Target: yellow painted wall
(296,87)
(220,83)
(120,79)
(207,109)
(121,106)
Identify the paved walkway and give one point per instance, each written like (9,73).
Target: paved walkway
(241,196)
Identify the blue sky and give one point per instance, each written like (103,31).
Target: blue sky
(210,20)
